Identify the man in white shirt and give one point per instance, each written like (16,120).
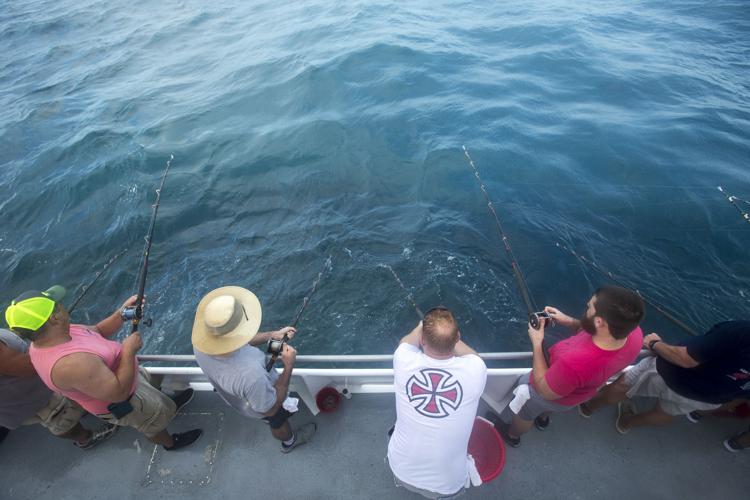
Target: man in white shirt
(437,393)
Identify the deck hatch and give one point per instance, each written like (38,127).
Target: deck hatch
(191,466)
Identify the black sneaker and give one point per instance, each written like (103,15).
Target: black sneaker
(183,439)
(98,436)
(503,429)
(3,433)
(732,445)
(694,416)
(541,423)
(183,398)
(302,435)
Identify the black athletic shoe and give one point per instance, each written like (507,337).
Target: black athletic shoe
(541,423)
(183,398)
(694,417)
(98,436)
(302,435)
(3,432)
(183,439)
(502,428)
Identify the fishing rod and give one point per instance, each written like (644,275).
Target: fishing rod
(535,318)
(661,309)
(733,200)
(275,347)
(87,287)
(134,314)
(409,295)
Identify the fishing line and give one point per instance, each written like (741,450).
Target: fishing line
(409,295)
(733,200)
(661,309)
(85,288)
(275,346)
(534,317)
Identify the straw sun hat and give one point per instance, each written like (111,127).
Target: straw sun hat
(226,319)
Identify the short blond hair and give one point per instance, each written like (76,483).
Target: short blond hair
(440,330)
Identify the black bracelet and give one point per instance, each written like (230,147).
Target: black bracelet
(652,344)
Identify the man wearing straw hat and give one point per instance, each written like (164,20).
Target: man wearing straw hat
(225,336)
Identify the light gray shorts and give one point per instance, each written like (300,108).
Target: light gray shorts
(535,406)
(645,381)
(427,493)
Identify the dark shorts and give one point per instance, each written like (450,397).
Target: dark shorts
(278,419)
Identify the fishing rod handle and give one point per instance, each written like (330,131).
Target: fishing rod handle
(275,351)
(271,362)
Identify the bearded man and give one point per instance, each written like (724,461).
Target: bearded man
(607,340)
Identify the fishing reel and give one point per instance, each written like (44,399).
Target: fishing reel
(538,318)
(131,313)
(274,347)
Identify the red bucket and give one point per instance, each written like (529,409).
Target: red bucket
(487,448)
(328,400)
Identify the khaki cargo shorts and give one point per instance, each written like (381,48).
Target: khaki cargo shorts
(645,381)
(152,409)
(59,416)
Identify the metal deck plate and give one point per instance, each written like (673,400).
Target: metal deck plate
(192,466)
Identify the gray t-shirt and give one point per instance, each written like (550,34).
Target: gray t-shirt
(20,397)
(241,379)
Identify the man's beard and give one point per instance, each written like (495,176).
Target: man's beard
(587,323)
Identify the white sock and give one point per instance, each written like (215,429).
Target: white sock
(291,440)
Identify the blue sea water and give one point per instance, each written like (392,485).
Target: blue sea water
(307,129)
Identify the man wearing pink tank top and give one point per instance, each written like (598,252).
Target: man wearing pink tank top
(101,375)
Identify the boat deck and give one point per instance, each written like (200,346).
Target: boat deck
(238,458)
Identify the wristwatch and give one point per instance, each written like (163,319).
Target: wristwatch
(652,344)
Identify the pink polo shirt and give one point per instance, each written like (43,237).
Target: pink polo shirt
(81,340)
(578,367)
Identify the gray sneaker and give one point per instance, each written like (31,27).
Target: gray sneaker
(304,434)
(98,436)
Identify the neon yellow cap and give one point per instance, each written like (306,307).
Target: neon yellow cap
(32,309)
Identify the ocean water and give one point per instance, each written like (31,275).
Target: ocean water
(308,129)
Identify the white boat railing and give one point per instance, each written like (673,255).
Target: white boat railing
(307,382)
(337,358)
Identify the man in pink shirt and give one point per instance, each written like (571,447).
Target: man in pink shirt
(607,340)
(102,376)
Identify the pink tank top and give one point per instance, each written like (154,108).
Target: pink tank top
(81,340)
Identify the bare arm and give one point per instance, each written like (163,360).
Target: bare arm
(112,323)
(539,372)
(263,337)
(15,363)
(88,374)
(414,337)
(462,349)
(677,355)
(539,365)
(109,325)
(282,384)
(563,319)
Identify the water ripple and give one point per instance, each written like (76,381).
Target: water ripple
(308,129)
